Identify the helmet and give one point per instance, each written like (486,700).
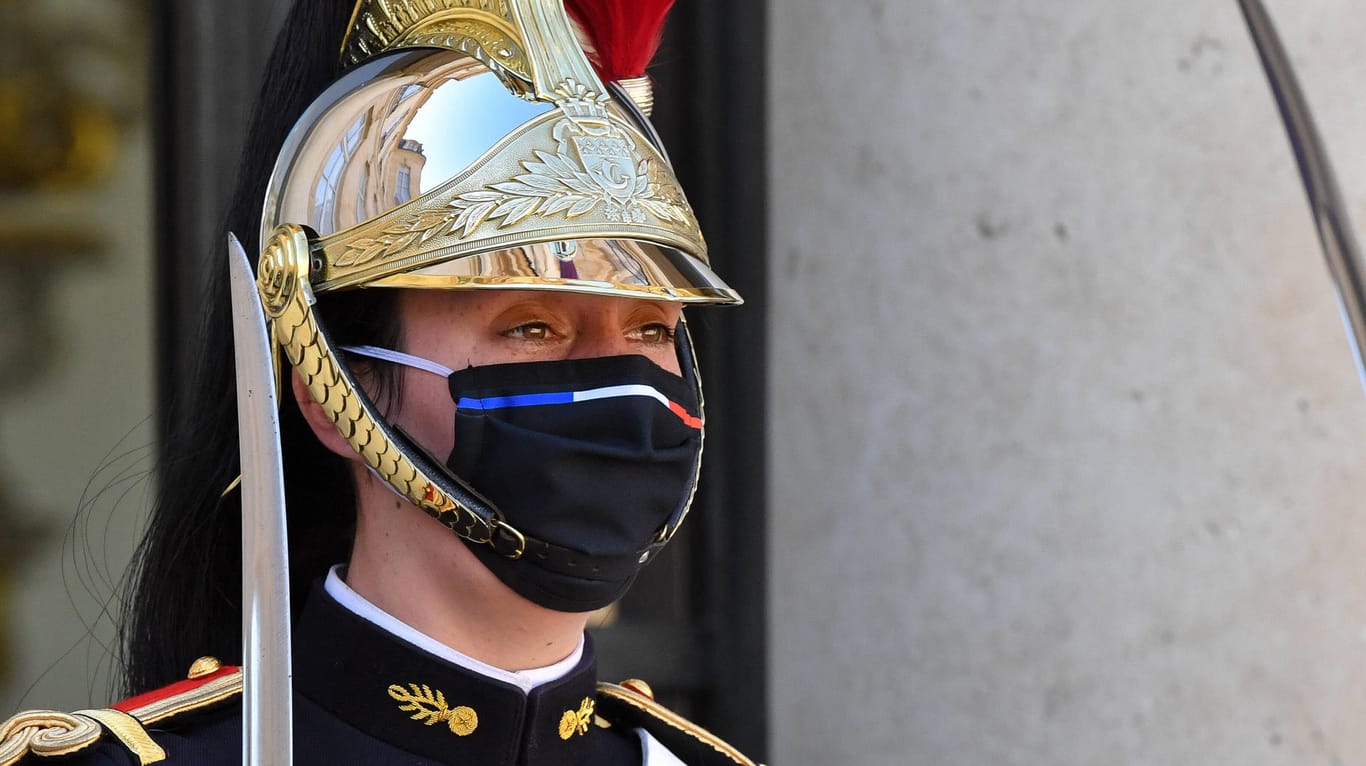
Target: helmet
(472,145)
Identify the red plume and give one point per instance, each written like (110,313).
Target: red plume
(624,33)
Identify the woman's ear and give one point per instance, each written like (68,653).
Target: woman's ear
(322,426)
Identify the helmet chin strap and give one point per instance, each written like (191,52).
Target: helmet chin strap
(283,281)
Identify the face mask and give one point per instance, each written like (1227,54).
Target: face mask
(589,459)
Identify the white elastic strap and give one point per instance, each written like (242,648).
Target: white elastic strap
(398,357)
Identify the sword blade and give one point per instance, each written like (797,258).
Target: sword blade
(1320,186)
(267,732)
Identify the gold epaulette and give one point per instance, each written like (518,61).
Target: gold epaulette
(50,733)
(631,703)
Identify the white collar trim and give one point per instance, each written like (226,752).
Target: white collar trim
(526,680)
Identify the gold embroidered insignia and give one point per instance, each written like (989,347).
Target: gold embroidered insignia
(431,708)
(576,722)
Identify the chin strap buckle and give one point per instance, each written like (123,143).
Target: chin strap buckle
(507,541)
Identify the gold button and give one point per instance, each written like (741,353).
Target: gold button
(568,723)
(639,687)
(204,666)
(576,722)
(463,721)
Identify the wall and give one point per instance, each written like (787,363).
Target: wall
(76,392)
(1067,449)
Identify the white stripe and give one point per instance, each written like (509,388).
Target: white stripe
(610,392)
(398,357)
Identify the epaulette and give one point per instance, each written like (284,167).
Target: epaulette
(50,733)
(632,704)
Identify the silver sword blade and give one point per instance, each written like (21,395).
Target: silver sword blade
(1325,202)
(267,705)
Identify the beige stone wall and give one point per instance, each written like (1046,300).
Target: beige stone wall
(80,434)
(1068,451)
(85,434)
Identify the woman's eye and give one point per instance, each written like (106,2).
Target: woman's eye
(655,333)
(531,331)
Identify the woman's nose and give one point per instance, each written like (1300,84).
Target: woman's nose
(597,341)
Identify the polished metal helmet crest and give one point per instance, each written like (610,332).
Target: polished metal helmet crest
(469,139)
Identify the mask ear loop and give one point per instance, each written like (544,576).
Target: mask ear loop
(398,357)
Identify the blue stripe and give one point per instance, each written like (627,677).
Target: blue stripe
(520,400)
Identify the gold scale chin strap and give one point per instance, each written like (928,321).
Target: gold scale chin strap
(283,282)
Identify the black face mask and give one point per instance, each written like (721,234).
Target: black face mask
(589,459)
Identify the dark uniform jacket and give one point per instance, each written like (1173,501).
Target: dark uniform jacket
(364,696)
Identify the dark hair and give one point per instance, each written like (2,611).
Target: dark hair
(185,595)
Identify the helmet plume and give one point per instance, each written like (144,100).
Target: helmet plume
(623,34)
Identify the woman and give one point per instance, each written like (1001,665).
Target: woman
(481,448)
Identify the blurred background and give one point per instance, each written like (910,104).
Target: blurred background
(76,335)
(1038,441)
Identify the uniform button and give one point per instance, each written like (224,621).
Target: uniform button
(204,666)
(639,687)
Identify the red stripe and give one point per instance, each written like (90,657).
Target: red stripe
(179,687)
(688,420)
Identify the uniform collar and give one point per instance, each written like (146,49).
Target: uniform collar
(526,680)
(432,707)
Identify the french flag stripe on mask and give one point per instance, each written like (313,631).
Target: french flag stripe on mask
(568,397)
